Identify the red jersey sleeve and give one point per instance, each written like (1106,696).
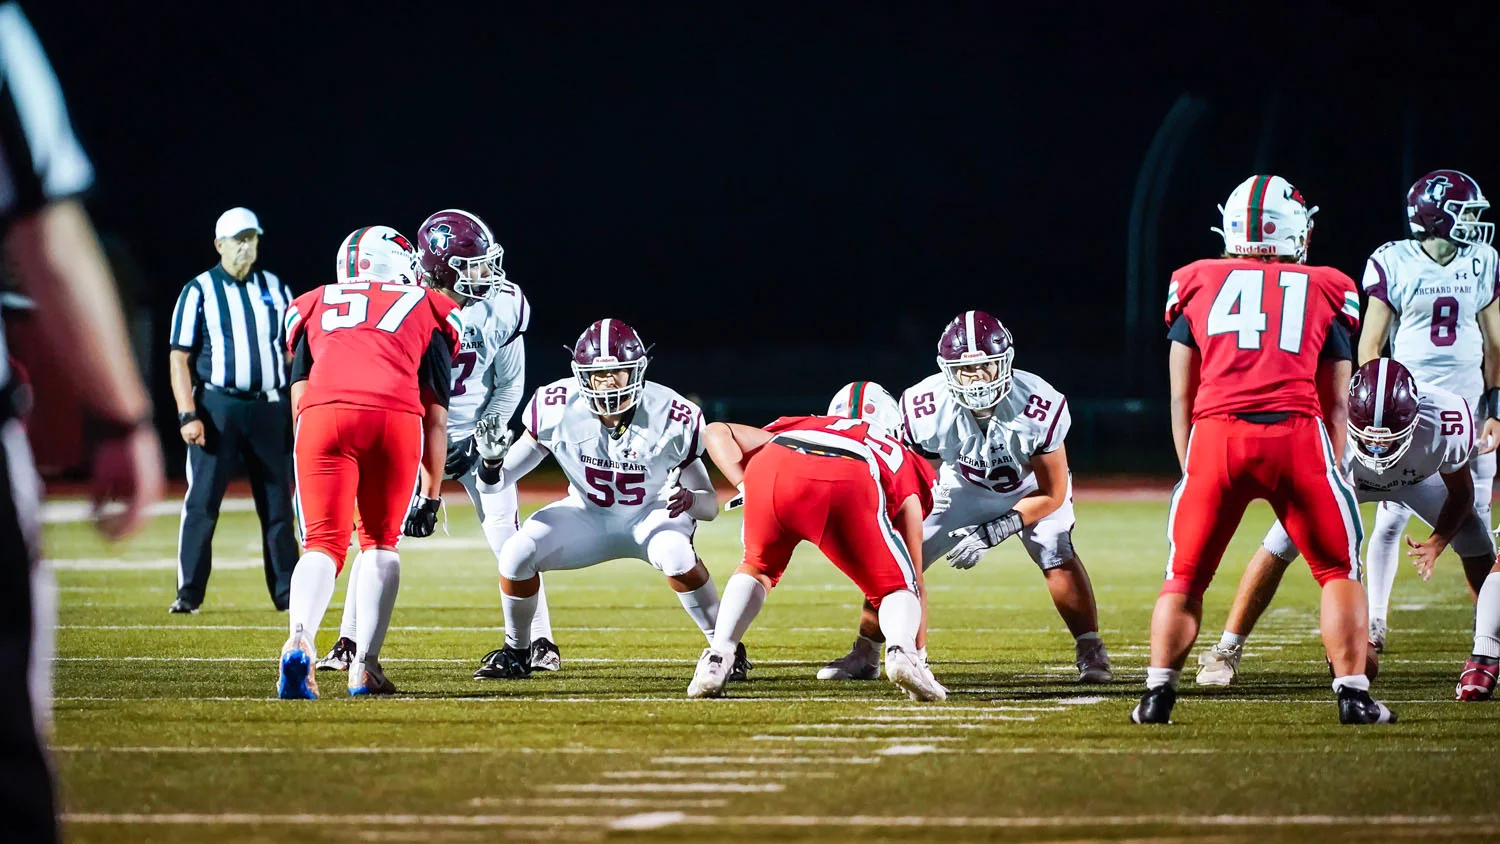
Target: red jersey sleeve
(915,477)
(296,314)
(1179,291)
(450,321)
(1343,296)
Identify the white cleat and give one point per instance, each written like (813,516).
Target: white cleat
(905,670)
(1219,665)
(1378,632)
(711,675)
(296,681)
(861,663)
(1093,662)
(368,678)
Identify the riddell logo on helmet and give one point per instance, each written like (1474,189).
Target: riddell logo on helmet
(1254,248)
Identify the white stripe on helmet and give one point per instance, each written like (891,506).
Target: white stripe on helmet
(1380,393)
(969,330)
(604,336)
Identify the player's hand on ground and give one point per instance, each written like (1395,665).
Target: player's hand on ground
(1424,554)
(737,501)
(421,519)
(491,438)
(193,433)
(1489,438)
(126,469)
(461,457)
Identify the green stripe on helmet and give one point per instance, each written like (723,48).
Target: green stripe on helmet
(856,398)
(351,255)
(1257,209)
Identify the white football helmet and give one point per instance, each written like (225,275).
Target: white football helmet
(377,254)
(1266,216)
(868,401)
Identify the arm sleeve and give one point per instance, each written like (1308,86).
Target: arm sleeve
(694,477)
(1182,332)
(507,380)
(1337,345)
(302,360)
(187,318)
(435,372)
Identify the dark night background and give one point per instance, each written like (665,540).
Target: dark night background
(781,198)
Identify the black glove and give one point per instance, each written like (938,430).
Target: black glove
(421,519)
(461,458)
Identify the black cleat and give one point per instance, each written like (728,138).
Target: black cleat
(740,671)
(182,607)
(1357,707)
(340,656)
(545,656)
(1155,706)
(504,664)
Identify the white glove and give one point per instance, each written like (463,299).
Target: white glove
(974,541)
(738,500)
(492,438)
(941,499)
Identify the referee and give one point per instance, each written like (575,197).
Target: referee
(229,376)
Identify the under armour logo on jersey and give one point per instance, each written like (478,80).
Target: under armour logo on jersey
(1437,188)
(439,237)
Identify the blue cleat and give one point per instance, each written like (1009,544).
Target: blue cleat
(297,661)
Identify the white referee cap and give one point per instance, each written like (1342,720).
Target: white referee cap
(234,221)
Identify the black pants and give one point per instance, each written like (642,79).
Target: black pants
(25,778)
(257,433)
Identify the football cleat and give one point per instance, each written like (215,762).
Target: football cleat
(545,656)
(296,681)
(505,664)
(740,671)
(339,658)
(861,663)
(711,674)
(1155,706)
(1219,665)
(1093,662)
(368,678)
(182,607)
(1357,707)
(904,669)
(1477,682)
(1378,632)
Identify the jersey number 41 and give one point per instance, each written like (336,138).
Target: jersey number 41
(1237,309)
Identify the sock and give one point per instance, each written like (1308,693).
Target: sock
(702,604)
(1092,636)
(900,616)
(1352,681)
(312,589)
(739,604)
(375,594)
(348,626)
(519,613)
(1158,677)
(541,623)
(1487,618)
(922,654)
(1232,640)
(1381,559)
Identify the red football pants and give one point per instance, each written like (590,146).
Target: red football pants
(832,502)
(346,454)
(1290,464)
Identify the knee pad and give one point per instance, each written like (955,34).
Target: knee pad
(672,558)
(518,558)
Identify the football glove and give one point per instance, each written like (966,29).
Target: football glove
(491,438)
(679,500)
(421,519)
(941,499)
(974,541)
(461,458)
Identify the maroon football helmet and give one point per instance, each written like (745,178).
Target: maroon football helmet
(606,346)
(1447,204)
(459,253)
(1382,412)
(976,338)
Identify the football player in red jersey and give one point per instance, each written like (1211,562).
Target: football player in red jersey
(1260,403)
(846,485)
(372,365)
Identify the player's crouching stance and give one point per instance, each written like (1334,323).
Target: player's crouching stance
(372,359)
(1410,446)
(998,435)
(1260,401)
(847,486)
(630,449)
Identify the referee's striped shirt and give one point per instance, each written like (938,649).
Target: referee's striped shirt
(235,329)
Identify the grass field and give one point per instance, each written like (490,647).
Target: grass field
(167,731)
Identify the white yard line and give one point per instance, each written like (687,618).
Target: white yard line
(714,775)
(763,760)
(332,751)
(666,788)
(611,802)
(846,739)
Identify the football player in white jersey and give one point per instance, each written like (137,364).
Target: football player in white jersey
(1433,296)
(1407,445)
(631,450)
(998,437)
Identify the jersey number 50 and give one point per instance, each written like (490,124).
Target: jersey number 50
(349,305)
(1237,308)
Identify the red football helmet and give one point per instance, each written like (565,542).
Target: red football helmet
(606,346)
(976,338)
(459,253)
(1447,204)
(1382,412)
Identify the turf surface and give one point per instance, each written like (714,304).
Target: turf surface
(166,730)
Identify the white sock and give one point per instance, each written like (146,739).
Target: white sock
(739,604)
(1487,618)
(348,626)
(1381,560)
(312,589)
(922,654)
(519,613)
(702,604)
(375,593)
(541,623)
(1232,640)
(1352,681)
(1158,677)
(900,616)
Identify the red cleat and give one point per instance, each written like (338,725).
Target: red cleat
(1478,680)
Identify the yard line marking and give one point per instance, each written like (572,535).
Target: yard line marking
(374,751)
(763,760)
(648,820)
(667,788)
(880,721)
(154,564)
(907,750)
(713,775)
(1192,700)
(617,802)
(271,658)
(188,626)
(925,708)
(852,738)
